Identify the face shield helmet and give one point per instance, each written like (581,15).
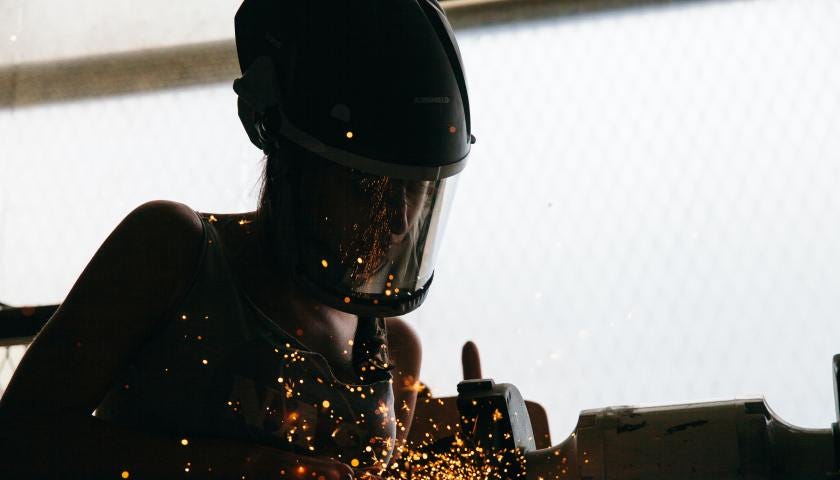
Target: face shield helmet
(373,95)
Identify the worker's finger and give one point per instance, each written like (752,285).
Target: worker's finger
(470,361)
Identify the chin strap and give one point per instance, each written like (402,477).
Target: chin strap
(371,358)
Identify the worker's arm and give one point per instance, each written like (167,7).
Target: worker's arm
(406,353)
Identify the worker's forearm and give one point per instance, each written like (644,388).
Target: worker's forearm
(93,448)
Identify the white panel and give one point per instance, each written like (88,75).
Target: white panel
(39,30)
(651,211)
(80,167)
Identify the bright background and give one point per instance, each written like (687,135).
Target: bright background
(650,215)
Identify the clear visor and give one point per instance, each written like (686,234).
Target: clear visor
(369,240)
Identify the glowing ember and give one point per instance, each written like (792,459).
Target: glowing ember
(497,415)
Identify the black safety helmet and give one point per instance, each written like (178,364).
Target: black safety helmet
(376,89)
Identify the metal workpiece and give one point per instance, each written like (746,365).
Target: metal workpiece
(738,439)
(723,440)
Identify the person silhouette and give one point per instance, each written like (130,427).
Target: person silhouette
(267,342)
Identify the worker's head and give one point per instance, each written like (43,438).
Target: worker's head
(361,108)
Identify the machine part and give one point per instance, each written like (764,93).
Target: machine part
(494,416)
(738,439)
(726,440)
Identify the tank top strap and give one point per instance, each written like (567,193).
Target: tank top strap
(222,264)
(216,291)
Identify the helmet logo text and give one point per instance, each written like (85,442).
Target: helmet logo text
(431,99)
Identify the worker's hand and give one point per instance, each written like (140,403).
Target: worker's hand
(470,361)
(269,462)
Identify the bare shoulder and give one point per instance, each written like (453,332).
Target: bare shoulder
(164,217)
(160,241)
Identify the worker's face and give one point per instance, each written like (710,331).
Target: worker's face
(367,219)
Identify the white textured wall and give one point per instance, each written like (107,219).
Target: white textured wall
(651,213)
(39,30)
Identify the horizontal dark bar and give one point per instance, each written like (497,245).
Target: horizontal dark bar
(155,69)
(20,325)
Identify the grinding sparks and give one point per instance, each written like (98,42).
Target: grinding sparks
(213,219)
(497,415)
(304,420)
(410,384)
(457,461)
(244,221)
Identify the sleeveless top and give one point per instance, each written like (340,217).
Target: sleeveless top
(219,367)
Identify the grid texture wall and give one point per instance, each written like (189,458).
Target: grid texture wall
(650,214)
